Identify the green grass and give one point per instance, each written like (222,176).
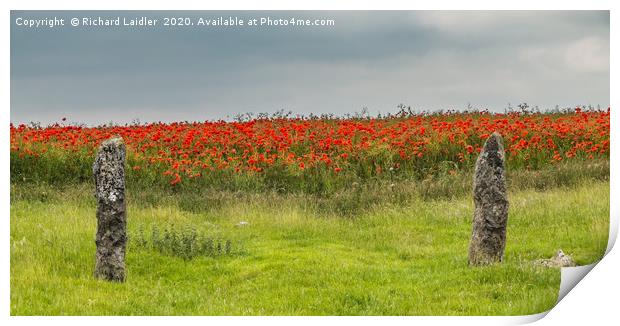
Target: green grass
(350,201)
(392,258)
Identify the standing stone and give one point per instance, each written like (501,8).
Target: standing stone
(109,173)
(488,238)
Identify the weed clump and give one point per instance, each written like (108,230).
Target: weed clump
(184,242)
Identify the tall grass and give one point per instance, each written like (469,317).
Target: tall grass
(347,200)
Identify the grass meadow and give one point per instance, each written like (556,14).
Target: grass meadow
(293,259)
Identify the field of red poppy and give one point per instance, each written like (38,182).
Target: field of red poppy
(313,154)
(307,216)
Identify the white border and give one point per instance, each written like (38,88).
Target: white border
(595,298)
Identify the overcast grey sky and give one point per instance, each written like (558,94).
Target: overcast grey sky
(429,60)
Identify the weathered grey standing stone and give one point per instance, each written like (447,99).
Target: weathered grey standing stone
(109,173)
(488,238)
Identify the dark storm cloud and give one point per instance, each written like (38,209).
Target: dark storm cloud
(431,60)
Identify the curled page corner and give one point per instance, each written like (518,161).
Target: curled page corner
(571,276)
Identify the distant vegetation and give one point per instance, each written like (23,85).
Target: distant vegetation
(312,155)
